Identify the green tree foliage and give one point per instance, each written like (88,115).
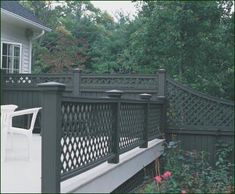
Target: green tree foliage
(193,41)
(58,56)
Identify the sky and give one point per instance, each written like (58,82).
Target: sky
(127,7)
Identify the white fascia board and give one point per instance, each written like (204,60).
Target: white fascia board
(95,180)
(25,20)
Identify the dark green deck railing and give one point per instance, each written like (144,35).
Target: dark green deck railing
(86,84)
(80,133)
(21,89)
(199,121)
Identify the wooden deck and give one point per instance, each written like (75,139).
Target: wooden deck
(19,175)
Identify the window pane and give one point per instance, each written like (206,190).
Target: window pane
(10,63)
(4,62)
(10,57)
(16,63)
(16,51)
(4,49)
(16,71)
(4,71)
(10,50)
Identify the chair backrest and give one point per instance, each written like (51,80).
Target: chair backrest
(33,111)
(6,111)
(8,107)
(36,110)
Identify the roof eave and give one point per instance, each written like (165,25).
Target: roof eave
(25,20)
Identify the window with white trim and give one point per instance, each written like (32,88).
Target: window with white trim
(11,57)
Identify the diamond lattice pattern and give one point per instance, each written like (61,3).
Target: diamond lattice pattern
(86,134)
(188,109)
(132,125)
(154,120)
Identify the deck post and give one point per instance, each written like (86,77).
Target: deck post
(115,139)
(51,135)
(162,98)
(163,118)
(76,81)
(161,82)
(147,98)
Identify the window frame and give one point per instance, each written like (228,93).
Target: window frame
(20,56)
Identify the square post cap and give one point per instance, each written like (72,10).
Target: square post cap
(52,86)
(114,93)
(77,70)
(161,98)
(145,96)
(161,70)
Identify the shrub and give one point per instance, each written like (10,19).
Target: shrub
(190,172)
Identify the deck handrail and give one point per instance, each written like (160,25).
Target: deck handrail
(80,133)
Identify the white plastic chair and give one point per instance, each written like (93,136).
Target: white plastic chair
(23,131)
(6,122)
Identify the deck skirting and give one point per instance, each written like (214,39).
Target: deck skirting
(107,177)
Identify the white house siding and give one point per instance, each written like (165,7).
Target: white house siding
(10,33)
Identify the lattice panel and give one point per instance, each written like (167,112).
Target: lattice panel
(132,125)
(154,120)
(120,82)
(185,108)
(34,79)
(86,134)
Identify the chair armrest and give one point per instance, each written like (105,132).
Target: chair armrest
(25,112)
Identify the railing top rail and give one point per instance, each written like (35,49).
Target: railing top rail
(106,100)
(37,75)
(200,94)
(83,74)
(68,98)
(119,75)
